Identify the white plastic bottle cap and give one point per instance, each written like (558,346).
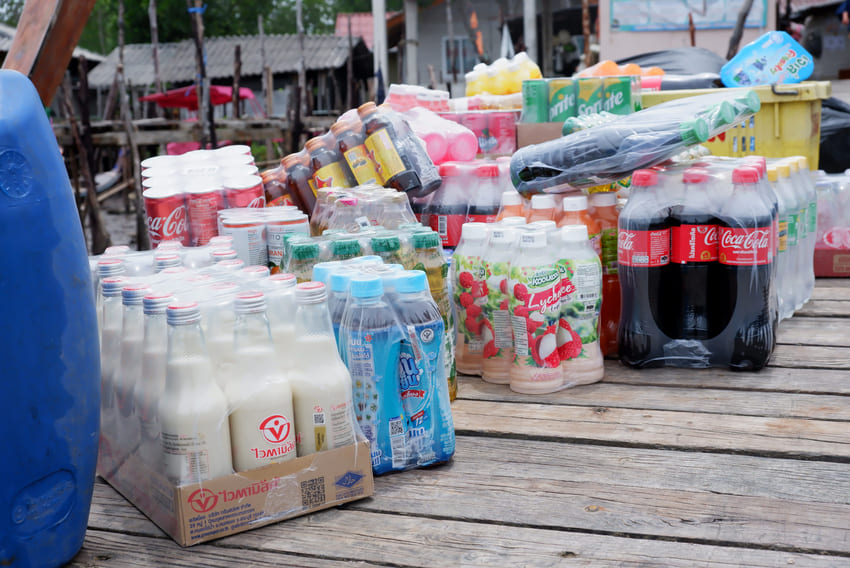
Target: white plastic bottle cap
(574,233)
(474,231)
(254,272)
(575,203)
(250,302)
(281,280)
(110,267)
(544,225)
(542,202)
(604,199)
(511,198)
(532,239)
(112,285)
(502,235)
(310,293)
(132,294)
(156,303)
(183,314)
(513,221)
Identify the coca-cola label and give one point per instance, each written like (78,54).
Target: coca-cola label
(693,243)
(744,247)
(171,227)
(643,248)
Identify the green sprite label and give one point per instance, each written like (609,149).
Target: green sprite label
(609,251)
(793,220)
(812,217)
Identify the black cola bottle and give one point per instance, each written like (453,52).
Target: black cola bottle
(643,254)
(298,174)
(384,148)
(745,256)
(693,262)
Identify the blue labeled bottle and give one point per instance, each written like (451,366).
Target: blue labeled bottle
(49,412)
(371,342)
(422,372)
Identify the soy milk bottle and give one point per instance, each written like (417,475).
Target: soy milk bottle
(321,383)
(110,349)
(151,384)
(192,411)
(280,301)
(258,392)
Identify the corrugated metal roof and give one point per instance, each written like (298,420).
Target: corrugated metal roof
(361,25)
(7,33)
(177,60)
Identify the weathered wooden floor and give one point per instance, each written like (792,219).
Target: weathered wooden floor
(648,468)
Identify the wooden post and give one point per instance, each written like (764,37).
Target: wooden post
(267,75)
(267,83)
(300,90)
(100,238)
(155,47)
(546,37)
(142,239)
(735,40)
(451,33)
(691,29)
(529,26)
(205,111)
(45,39)
(585,30)
(237,72)
(411,42)
(349,70)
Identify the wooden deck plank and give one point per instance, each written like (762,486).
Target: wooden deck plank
(831,290)
(790,437)
(822,407)
(825,308)
(356,538)
(811,357)
(814,331)
(769,379)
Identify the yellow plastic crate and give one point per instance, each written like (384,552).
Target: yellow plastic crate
(788,123)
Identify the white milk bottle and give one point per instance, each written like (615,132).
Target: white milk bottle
(195,434)
(110,349)
(469,294)
(128,371)
(581,300)
(321,383)
(106,267)
(280,301)
(534,288)
(219,318)
(496,333)
(262,429)
(151,382)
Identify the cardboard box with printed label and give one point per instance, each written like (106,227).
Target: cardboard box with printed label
(832,262)
(200,512)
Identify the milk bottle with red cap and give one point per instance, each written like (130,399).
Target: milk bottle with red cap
(262,428)
(321,383)
(151,384)
(195,434)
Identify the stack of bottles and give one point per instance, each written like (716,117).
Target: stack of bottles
(557,99)
(207,372)
(391,333)
(502,77)
(445,136)
(612,151)
(494,129)
(366,146)
(527,299)
(357,208)
(833,209)
(711,257)
(183,194)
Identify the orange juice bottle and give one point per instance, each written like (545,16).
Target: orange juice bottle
(542,208)
(510,206)
(575,213)
(605,212)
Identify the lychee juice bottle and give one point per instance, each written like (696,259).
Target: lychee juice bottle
(535,305)
(496,331)
(581,300)
(469,292)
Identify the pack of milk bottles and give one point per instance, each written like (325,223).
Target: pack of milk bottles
(213,371)
(712,255)
(527,298)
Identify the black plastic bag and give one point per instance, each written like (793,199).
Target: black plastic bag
(834,136)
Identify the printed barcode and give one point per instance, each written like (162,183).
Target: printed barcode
(313,492)
(520,336)
(396,428)
(442,225)
(587,296)
(363,222)
(399,450)
(319,418)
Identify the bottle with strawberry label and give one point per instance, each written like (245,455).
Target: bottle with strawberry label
(496,333)
(581,300)
(535,305)
(469,292)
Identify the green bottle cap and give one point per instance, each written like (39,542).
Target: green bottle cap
(410,226)
(385,244)
(305,251)
(426,240)
(345,247)
(331,232)
(694,131)
(750,99)
(722,114)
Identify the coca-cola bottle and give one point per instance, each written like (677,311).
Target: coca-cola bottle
(643,252)
(745,261)
(693,261)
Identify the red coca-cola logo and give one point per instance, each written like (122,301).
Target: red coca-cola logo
(202,500)
(171,226)
(750,240)
(258,202)
(744,247)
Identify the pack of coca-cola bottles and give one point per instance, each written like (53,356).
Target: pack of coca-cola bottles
(697,249)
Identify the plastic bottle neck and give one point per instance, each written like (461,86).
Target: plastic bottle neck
(156,332)
(186,340)
(251,331)
(133,321)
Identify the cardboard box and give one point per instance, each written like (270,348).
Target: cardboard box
(536,133)
(832,262)
(227,505)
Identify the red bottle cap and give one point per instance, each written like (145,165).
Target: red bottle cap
(746,174)
(695,175)
(449,169)
(644,178)
(487,170)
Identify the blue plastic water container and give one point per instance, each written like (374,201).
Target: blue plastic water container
(49,360)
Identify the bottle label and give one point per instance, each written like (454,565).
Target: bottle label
(470,294)
(783,236)
(331,175)
(596,242)
(384,154)
(448,227)
(801,225)
(793,220)
(535,303)
(496,334)
(581,301)
(693,243)
(609,250)
(186,457)
(643,248)
(744,246)
(812,217)
(362,166)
